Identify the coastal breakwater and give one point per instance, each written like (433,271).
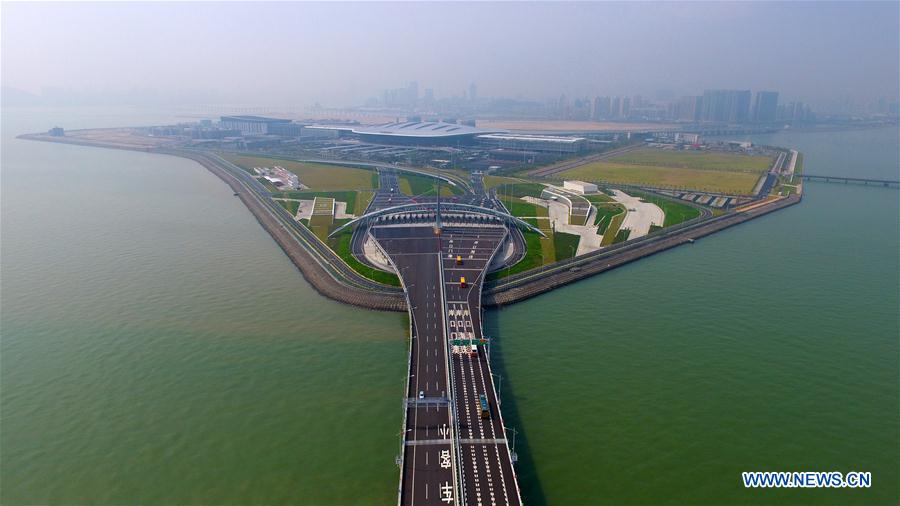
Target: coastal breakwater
(333,278)
(532,283)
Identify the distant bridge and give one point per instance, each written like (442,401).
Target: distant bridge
(846,179)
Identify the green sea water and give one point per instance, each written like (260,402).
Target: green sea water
(157,347)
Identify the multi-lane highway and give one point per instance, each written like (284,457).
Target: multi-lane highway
(487,473)
(455,449)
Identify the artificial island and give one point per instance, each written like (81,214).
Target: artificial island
(442,218)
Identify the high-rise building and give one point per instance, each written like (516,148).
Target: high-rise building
(687,109)
(600,109)
(562,107)
(412,92)
(765,106)
(725,106)
(794,112)
(625,108)
(402,97)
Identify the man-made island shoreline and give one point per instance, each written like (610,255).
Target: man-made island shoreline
(331,277)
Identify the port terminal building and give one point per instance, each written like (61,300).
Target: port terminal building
(439,133)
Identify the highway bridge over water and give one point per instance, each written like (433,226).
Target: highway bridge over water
(455,449)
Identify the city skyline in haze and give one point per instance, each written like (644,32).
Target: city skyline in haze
(342,54)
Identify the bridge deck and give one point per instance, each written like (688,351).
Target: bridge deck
(474,466)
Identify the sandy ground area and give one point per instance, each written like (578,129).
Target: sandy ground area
(123,136)
(305,210)
(340,211)
(640,214)
(375,255)
(506,250)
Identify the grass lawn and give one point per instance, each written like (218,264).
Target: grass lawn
(357,201)
(599,198)
(341,246)
(495,181)
(622,235)
(578,219)
(670,177)
(605,214)
(699,160)
(415,185)
(531,260)
(565,245)
(317,176)
(541,223)
(519,189)
(323,205)
(350,197)
(520,208)
(612,230)
(269,186)
(676,212)
(362,202)
(290,205)
(798,167)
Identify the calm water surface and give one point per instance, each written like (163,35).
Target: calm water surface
(158,348)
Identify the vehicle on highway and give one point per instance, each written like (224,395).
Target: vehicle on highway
(462,282)
(484,407)
(473,351)
(421,394)
(458,260)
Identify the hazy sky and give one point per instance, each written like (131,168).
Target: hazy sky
(340,54)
